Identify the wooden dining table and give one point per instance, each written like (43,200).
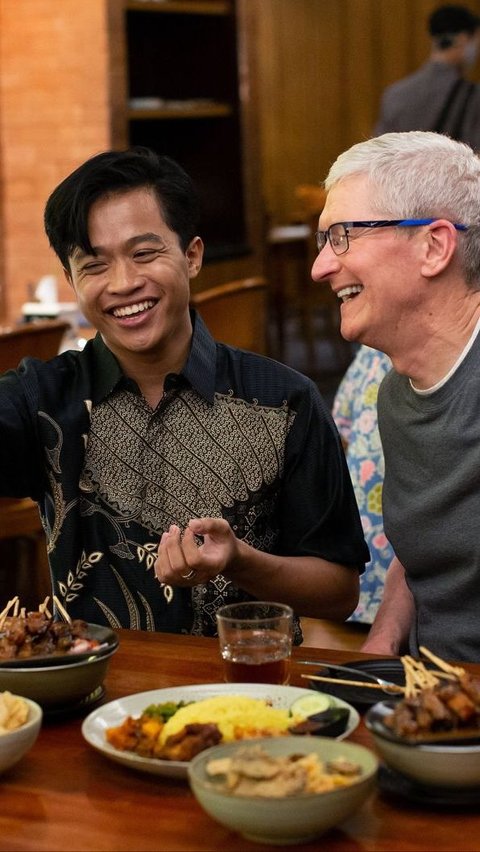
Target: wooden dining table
(65,795)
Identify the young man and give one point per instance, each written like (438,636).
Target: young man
(399,243)
(173,474)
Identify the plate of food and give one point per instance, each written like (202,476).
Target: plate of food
(159,731)
(36,638)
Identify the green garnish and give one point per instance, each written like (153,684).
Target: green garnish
(166,710)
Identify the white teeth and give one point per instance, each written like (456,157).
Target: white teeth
(130,310)
(348,292)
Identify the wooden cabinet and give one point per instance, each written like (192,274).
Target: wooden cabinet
(182,83)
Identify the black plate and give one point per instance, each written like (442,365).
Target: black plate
(362,699)
(108,642)
(395,784)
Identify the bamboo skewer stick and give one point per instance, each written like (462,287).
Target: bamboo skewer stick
(362,683)
(5,611)
(456,671)
(62,609)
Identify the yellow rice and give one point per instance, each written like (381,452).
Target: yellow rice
(235,715)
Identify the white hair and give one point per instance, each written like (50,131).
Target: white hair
(420,174)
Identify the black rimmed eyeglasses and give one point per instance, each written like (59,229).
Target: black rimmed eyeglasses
(339,234)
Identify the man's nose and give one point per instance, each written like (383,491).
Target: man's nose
(125,276)
(325,264)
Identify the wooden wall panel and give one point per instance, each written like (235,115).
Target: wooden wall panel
(323,65)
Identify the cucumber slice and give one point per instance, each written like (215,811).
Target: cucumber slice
(308,705)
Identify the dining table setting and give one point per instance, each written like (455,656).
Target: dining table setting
(69,792)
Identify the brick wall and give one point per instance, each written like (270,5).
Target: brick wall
(54,113)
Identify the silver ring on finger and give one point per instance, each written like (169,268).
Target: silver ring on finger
(190,575)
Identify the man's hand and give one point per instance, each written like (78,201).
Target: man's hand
(182,561)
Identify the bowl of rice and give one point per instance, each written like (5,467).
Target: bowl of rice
(325,781)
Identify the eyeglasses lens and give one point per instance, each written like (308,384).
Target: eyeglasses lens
(338,238)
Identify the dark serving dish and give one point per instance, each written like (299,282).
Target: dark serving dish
(107,638)
(63,681)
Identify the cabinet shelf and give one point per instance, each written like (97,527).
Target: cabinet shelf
(166,113)
(177,76)
(182,7)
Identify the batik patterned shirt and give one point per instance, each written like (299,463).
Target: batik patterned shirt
(235,436)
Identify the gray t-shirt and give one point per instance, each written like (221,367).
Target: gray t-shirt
(431,503)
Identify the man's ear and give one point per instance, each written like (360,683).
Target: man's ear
(194,255)
(439,247)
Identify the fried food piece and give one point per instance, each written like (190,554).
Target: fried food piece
(139,735)
(188,742)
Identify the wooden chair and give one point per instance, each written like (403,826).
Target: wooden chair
(236,312)
(24,566)
(41,339)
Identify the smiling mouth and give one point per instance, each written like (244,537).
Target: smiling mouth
(348,293)
(132,310)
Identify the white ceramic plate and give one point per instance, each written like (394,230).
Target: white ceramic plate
(113,714)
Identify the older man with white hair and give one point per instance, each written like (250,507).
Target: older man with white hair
(399,243)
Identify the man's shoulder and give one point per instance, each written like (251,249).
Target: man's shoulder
(250,362)
(53,377)
(426,74)
(262,377)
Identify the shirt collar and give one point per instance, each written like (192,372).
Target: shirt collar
(199,369)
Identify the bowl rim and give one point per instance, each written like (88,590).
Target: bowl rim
(211,786)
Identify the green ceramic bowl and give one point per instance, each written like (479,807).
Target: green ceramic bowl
(292,819)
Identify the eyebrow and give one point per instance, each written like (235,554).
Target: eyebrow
(149,236)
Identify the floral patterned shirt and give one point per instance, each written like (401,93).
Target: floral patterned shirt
(355,414)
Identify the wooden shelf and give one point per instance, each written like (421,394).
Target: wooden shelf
(182,7)
(182,84)
(164,113)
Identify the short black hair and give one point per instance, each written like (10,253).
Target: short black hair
(111,172)
(451,20)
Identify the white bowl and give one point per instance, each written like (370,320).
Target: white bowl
(292,819)
(431,764)
(14,744)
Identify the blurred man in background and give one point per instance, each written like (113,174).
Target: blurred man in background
(437,96)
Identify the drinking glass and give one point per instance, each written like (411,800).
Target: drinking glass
(255,641)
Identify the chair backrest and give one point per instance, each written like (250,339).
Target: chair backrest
(236,312)
(40,339)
